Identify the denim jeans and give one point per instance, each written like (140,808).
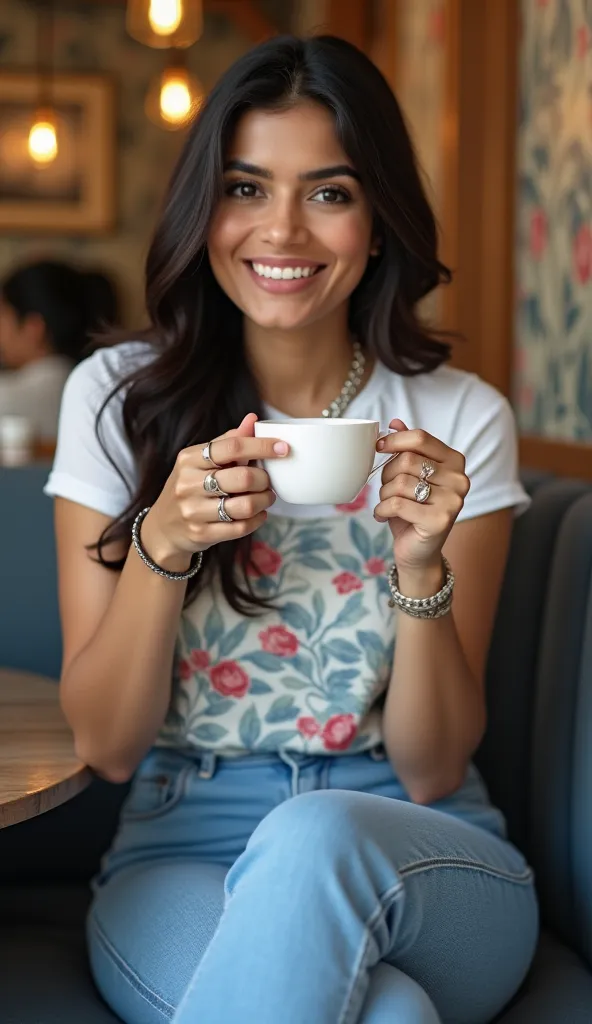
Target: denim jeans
(288,889)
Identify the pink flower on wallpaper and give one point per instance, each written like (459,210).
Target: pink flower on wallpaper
(229,679)
(375,566)
(346,582)
(279,640)
(308,726)
(582,41)
(538,233)
(582,254)
(199,660)
(265,561)
(339,732)
(358,503)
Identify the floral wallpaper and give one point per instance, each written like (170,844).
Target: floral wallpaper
(553,335)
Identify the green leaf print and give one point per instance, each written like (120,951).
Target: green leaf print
(214,627)
(349,563)
(249,728)
(351,613)
(293,683)
(341,679)
(300,663)
(209,732)
(314,562)
(373,648)
(361,539)
(283,709)
(297,617)
(232,639)
(266,662)
(218,707)
(276,739)
(382,545)
(258,687)
(318,604)
(191,635)
(343,651)
(309,542)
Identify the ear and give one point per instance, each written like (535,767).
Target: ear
(35,331)
(376,247)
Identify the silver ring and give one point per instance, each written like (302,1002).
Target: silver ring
(222,513)
(211,486)
(205,454)
(427,470)
(422,491)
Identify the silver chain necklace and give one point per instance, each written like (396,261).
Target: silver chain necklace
(350,387)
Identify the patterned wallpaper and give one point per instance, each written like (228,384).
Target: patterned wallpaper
(553,341)
(93,38)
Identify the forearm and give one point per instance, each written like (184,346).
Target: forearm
(116,691)
(434,714)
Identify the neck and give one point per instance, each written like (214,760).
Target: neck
(300,372)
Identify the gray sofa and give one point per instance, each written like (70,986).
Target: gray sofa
(536,757)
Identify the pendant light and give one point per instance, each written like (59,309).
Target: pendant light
(43,135)
(175,95)
(165,23)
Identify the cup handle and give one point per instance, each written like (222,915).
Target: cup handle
(386,461)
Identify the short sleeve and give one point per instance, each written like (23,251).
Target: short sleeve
(486,434)
(97,471)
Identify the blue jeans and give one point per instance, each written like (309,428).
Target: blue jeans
(307,890)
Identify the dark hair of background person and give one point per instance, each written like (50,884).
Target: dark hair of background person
(74,304)
(200,384)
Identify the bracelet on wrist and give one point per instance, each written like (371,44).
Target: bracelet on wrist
(433,607)
(179,576)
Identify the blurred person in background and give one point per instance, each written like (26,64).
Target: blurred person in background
(49,312)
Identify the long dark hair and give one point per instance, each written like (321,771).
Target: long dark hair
(74,304)
(199,384)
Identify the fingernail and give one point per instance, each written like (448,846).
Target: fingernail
(380,445)
(280,448)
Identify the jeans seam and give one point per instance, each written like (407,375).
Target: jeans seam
(385,903)
(430,864)
(135,981)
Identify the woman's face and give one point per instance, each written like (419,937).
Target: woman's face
(290,240)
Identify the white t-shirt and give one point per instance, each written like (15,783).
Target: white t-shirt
(305,675)
(35,391)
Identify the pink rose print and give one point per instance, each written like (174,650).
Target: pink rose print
(582,254)
(279,640)
(346,582)
(375,566)
(338,732)
(264,560)
(199,660)
(308,726)
(229,679)
(538,233)
(358,503)
(185,670)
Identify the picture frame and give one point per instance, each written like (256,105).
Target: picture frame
(75,193)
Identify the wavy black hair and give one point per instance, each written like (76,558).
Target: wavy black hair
(199,384)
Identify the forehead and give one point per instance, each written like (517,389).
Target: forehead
(288,141)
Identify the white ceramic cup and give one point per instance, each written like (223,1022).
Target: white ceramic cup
(329,462)
(17,438)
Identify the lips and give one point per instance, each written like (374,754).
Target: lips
(283,276)
(285,273)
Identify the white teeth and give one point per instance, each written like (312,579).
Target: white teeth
(282,273)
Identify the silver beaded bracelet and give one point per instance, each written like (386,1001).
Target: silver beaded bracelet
(179,576)
(422,607)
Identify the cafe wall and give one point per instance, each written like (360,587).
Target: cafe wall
(93,38)
(553,326)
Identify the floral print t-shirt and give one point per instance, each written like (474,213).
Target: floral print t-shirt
(310,673)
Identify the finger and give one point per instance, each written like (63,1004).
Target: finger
(218,533)
(422,443)
(246,506)
(408,509)
(412,464)
(404,486)
(242,479)
(247,429)
(228,450)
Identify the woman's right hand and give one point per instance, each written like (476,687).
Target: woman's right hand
(184,518)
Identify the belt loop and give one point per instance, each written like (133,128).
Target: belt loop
(292,763)
(207,765)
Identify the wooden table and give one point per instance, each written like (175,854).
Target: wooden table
(38,767)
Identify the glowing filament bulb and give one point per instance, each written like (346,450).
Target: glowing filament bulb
(43,143)
(165,16)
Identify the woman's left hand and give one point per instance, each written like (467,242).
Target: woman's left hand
(419,529)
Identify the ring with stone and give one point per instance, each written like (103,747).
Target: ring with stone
(422,491)
(207,457)
(222,513)
(427,470)
(211,486)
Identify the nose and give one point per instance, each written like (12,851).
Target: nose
(284,224)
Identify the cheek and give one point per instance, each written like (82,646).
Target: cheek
(350,240)
(225,235)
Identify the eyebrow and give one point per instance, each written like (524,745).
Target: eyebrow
(338,170)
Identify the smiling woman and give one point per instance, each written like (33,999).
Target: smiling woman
(309,809)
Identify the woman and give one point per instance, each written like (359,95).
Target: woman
(48,313)
(285,750)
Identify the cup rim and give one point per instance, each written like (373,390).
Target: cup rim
(314,422)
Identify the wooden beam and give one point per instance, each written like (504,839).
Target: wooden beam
(561,457)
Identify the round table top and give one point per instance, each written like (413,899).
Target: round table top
(38,767)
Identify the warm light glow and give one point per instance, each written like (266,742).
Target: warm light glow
(165,16)
(175,100)
(43,143)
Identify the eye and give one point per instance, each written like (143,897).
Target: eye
(331,194)
(243,189)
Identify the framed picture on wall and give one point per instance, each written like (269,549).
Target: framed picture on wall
(73,193)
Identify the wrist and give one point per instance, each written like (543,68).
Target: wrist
(160,550)
(423,580)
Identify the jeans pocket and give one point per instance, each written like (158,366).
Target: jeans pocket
(155,791)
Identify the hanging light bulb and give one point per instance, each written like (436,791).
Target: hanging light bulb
(174,97)
(165,23)
(43,139)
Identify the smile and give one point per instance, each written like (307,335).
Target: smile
(284,273)
(285,277)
